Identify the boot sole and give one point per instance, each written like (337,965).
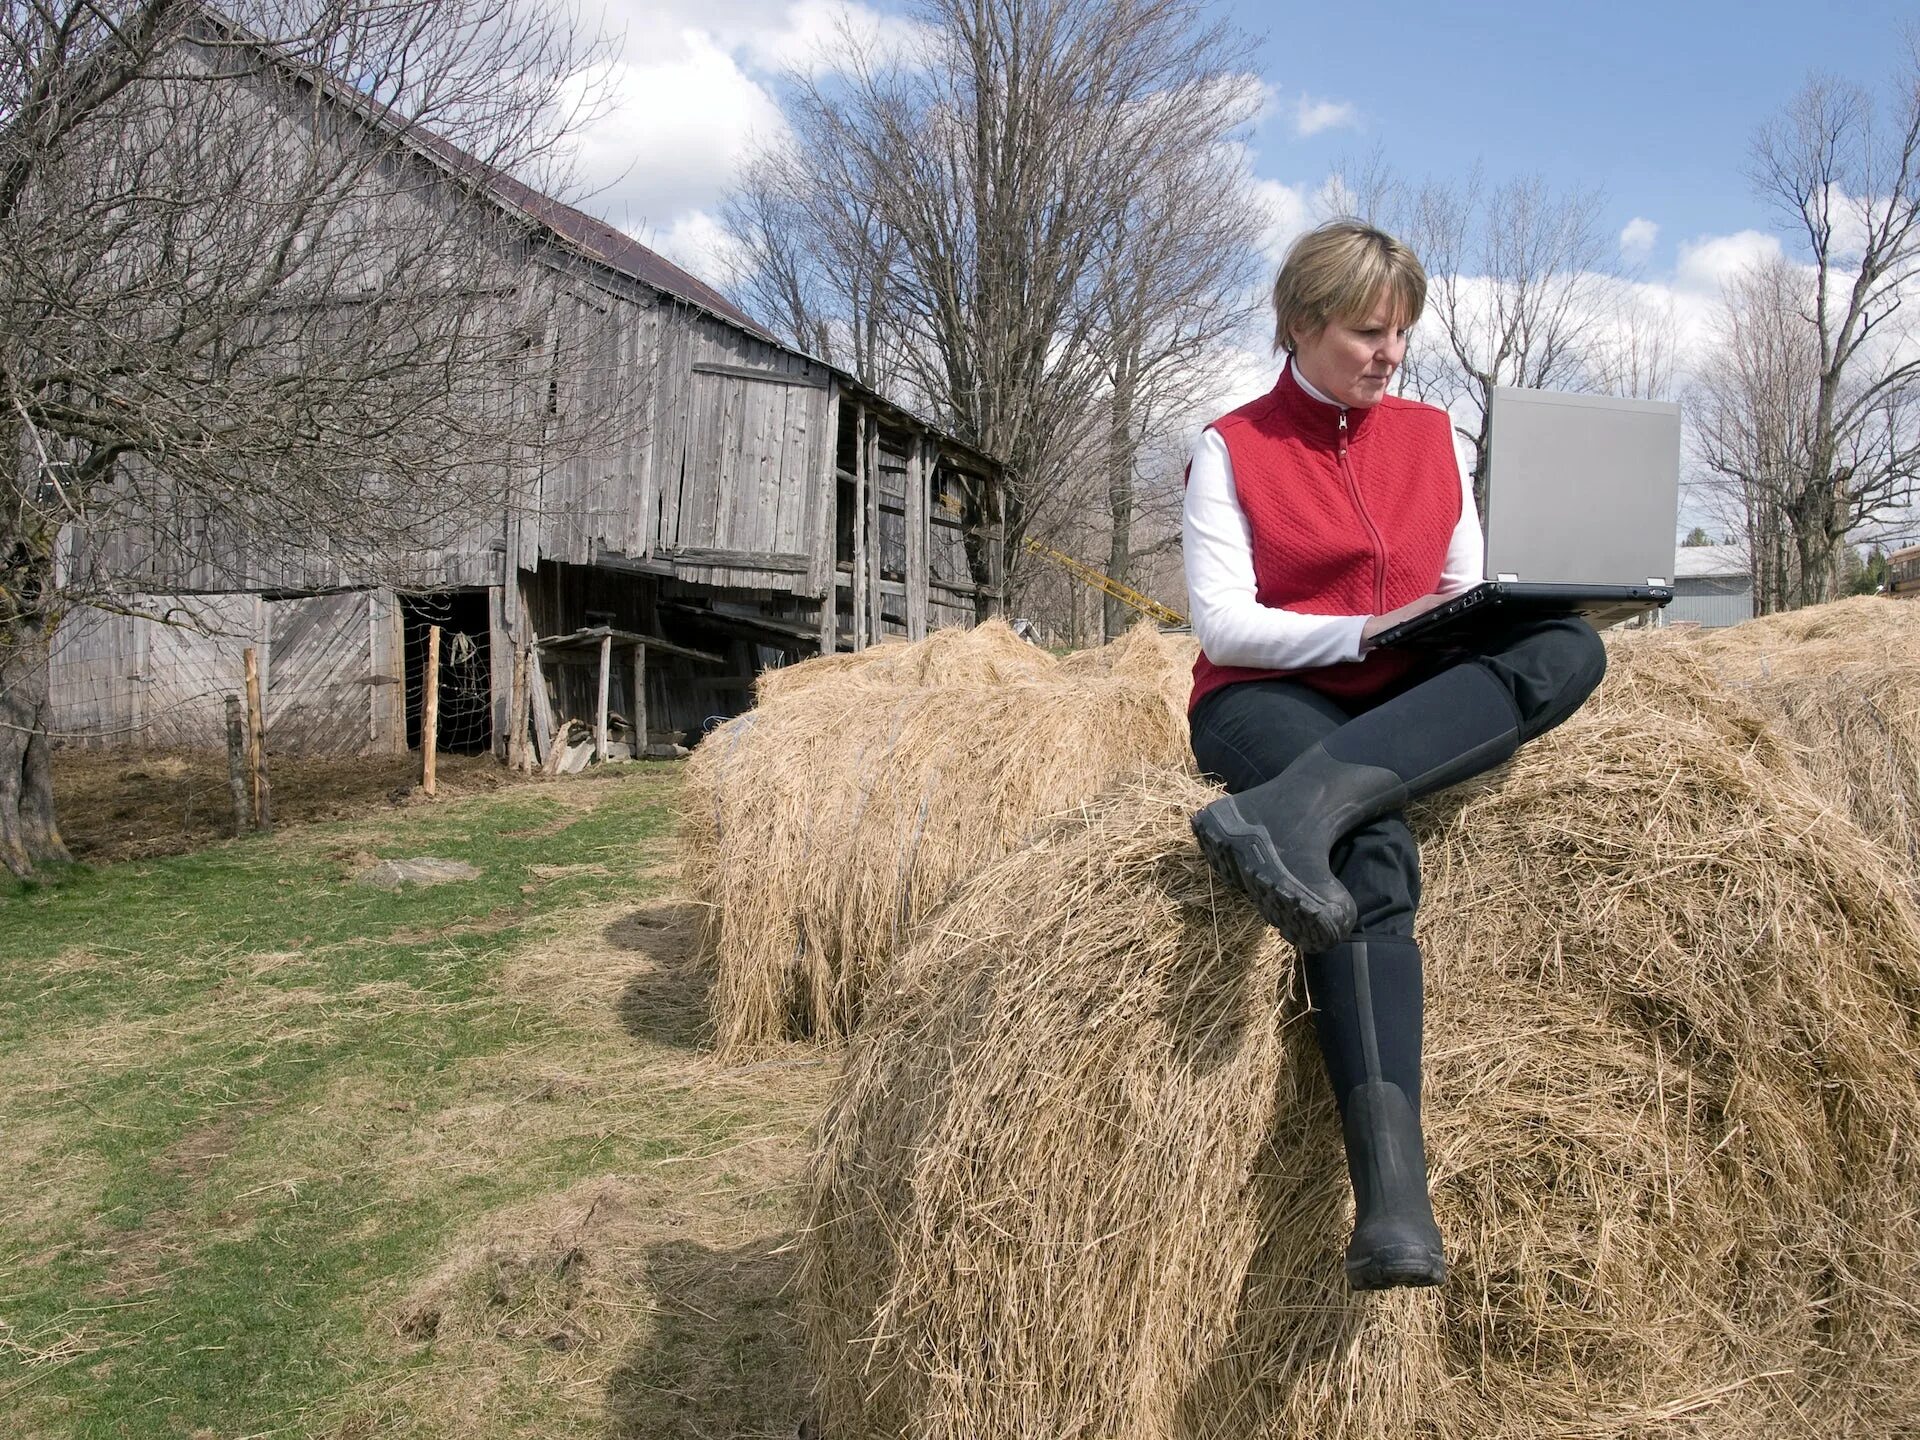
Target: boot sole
(1243,855)
(1394,1266)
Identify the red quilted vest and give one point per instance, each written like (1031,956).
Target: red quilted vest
(1353,522)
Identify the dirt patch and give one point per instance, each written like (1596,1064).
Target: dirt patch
(143,1254)
(134,804)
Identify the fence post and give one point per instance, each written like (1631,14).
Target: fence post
(257,745)
(237,762)
(430,714)
(517,713)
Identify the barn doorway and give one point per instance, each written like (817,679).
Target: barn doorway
(466,668)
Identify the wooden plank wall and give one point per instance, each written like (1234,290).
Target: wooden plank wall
(318,699)
(330,665)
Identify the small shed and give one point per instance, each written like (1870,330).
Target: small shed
(1712,586)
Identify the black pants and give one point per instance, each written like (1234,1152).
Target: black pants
(1248,733)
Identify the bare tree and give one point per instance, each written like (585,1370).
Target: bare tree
(1636,344)
(1516,296)
(1752,409)
(960,212)
(1844,173)
(244,299)
(1175,282)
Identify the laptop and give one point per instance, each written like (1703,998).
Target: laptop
(1583,492)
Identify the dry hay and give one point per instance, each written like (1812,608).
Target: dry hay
(985,654)
(1082,1178)
(1841,682)
(822,827)
(1147,654)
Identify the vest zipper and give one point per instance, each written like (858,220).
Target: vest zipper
(1373,531)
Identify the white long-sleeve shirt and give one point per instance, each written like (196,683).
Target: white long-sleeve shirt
(1232,626)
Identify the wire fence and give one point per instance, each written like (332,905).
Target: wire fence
(336,678)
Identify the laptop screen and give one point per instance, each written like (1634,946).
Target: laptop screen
(1582,489)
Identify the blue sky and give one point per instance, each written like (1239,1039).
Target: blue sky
(1654,104)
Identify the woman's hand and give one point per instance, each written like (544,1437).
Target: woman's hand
(1376,624)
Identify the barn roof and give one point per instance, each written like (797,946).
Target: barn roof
(620,251)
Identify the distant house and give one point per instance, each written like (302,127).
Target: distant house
(770,508)
(1712,586)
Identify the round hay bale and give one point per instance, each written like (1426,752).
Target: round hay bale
(1082,1176)
(1840,684)
(820,829)
(1031,1211)
(1863,627)
(985,654)
(1145,653)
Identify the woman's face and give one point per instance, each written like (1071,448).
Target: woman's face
(1352,362)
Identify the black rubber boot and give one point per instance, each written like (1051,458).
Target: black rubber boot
(1367,1012)
(1274,840)
(1395,1240)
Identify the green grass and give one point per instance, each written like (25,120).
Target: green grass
(247,1107)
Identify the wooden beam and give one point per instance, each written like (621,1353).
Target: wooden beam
(785,562)
(749,372)
(860,475)
(919,482)
(637,717)
(826,527)
(600,709)
(874,627)
(542,703)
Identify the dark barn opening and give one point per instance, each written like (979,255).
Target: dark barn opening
(466,668)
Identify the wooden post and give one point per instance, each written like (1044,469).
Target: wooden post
(600,711)
(257,745)
(920,469)
(861,482)
(638,714)
(875,629)
(430,714)
(827,527)
(237,764)
(543,726)
(517,713)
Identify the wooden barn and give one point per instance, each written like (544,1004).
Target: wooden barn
(766,508)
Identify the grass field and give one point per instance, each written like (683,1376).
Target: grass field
(286,1155)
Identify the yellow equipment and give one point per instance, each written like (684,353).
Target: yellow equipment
(1125,594)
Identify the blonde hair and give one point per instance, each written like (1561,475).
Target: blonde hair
(1338,271)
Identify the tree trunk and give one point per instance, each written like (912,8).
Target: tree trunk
(1816,517)
(1116,613)
(29,834)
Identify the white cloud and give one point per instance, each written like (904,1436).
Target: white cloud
(1311,116)
(1637,237)
(1290,213)
(814,36)
(675,128)
(1706,265)
(697,242)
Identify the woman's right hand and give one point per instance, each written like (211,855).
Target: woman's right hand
(1376,624)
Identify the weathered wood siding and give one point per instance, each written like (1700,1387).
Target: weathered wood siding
(329,666)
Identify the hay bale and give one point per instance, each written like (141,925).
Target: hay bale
(1672,1083)
(1030,1207)
(1840,682)
(1861,627)
(985,654)
(1145,653)
(822,827)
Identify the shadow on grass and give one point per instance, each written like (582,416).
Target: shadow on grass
(724,1356)
(665,1003)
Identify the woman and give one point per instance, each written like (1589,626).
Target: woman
(1312,515)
